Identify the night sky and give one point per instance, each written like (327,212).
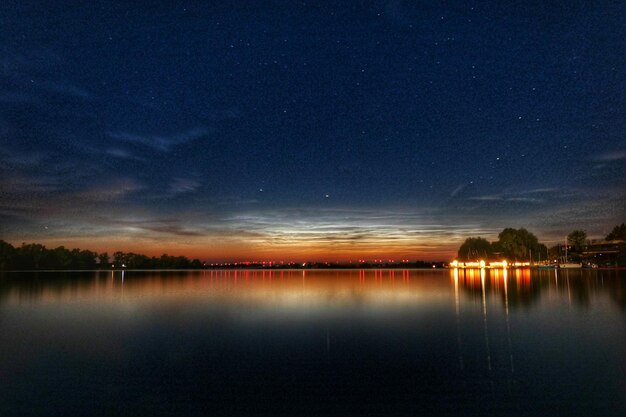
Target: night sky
(307,130)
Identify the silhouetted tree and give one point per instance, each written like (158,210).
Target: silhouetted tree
(32,256)
(618,233)
(103,260)
(475,248)
(7,255)
(62,258)
(577,238)
(555,252)
(541,253)
(516,244)
(36,256)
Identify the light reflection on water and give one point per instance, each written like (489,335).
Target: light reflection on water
(314,342)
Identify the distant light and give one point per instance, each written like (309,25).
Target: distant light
(482,263)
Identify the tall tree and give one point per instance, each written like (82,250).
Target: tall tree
(7,255)
(33,256)
(618,233)
(103,260)
(475,248)
(516,244)
(577,238)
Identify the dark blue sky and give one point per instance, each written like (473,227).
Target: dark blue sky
(301,129)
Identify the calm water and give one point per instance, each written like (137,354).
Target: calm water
(287,343)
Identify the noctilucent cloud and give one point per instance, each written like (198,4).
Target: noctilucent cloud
(309,130)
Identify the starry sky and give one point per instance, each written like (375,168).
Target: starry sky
(232,130)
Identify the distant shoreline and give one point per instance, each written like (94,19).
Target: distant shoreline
(610,268)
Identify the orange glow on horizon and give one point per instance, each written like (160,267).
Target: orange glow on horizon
(231,249)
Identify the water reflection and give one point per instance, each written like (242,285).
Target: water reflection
(315,342)
(524,288)
(278,287)
(517,288)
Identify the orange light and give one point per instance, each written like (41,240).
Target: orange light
(498,264)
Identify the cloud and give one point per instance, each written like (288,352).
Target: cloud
(113,191)
(367,230)
(457,190)
(171,230)
(183,185)
(27,184)
(617,155)
(20,159)
(235,201)
(32,77)
(123,154)
(509,199)
(525,200)
(17,98)
(523,196)
(162,226)
(540,190)
(487,198)
(162,143)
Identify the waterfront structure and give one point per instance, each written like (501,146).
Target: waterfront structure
(602,253)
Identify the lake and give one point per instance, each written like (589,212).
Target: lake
(313,342)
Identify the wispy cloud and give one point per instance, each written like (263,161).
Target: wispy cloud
(458,190)
(532,195)
(183,185)
(162,143)
(171,230)
(525,200)
(540,190)
(112,191)
(487,198)
(26,184)
(167,226)
(123,154)
(14,97)
(235,201)
(504,198)
(33,76)
(66,88)
(20,159)
(367,230)
(616,155)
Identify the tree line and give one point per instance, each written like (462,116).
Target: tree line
(512,244)
(522,245)
(34,256)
